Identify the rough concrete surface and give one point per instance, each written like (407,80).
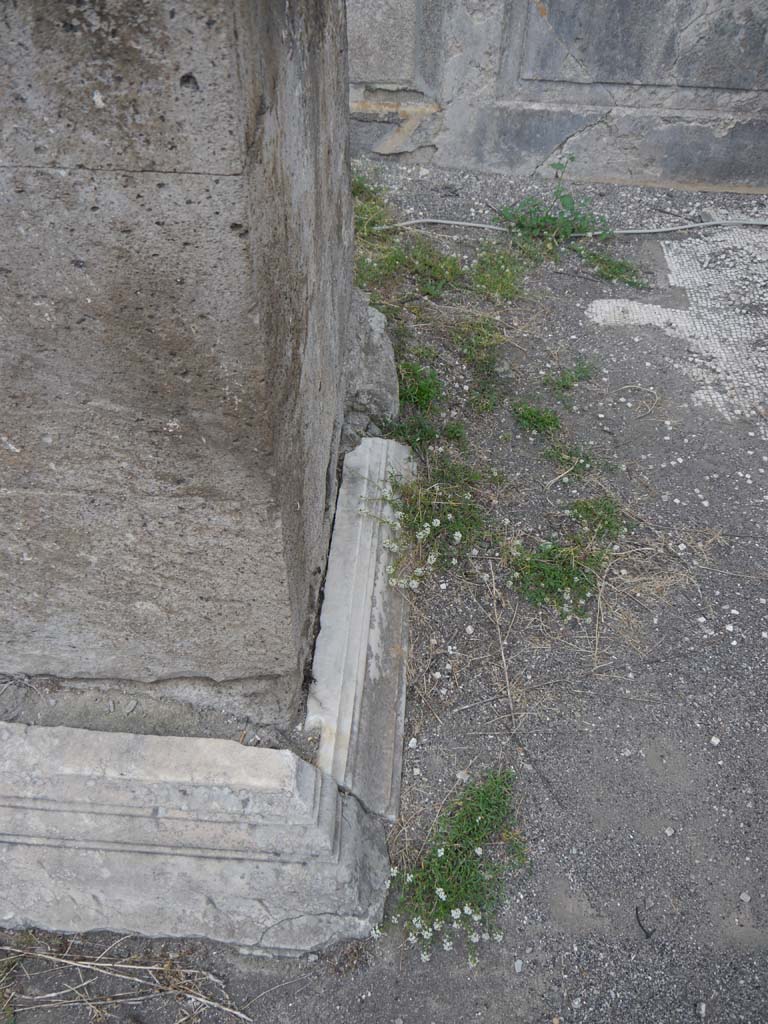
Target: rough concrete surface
(172,336)
(625,800)
(650,93)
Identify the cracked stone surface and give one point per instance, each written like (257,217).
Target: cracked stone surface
(666,91)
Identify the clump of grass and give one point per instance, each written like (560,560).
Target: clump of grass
(602,517)
(370,208)
(431,270)
(380,265)
(455,431)
(536,419)
(498,273)
(561,576)
(452,895)
(439,516)
(416,430)
(419,386)
(611,268)
(567,379)
(570,457)
(478,339)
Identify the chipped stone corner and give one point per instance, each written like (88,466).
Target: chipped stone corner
(371,396)
(170,836)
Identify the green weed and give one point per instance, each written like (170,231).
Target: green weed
(571,457)
(602,517)
(455,431)
(557,220)
(535,419)
(439,513)
(567,380)
(562,576)
(454,891)
(498,273)
(611,268)
(419,386)
(431,270)
(478,340)
(415,430)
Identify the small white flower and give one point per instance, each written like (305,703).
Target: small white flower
(431,559)
(440,893)
(467,910)
(427,934)
(411,940)
(395,919)
(413,584)
(425,956)
(479,851)
(498,936)
(440,851)
(447,945)
(409,878)
(457,537)
(435,522)
(455,913)
(376,932)
(474,938)
(476,918)
(437,926)
(417,923)
(394,871)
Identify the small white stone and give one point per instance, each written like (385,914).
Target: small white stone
(518,966)
(412,743)
(669,831)
(715,741)
(745,897)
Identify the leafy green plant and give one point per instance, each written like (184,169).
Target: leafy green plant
(452,894)
(567,379)
(557,220)
(560,575)
(536,419)
(602,517)
(498,273)
(611,268)
(419,386)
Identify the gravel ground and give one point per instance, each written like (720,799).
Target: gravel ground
(639,737)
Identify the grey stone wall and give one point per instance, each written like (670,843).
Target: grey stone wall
(174,284)
(664,91)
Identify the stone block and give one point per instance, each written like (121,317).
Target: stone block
(357,697)
(170,836)
(371,376)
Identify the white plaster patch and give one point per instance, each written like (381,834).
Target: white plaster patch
(725,275)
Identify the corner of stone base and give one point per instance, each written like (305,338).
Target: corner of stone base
(176,837)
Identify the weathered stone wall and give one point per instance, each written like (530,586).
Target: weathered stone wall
(174,289)
(665,91)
